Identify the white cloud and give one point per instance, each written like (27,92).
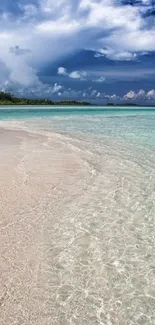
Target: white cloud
(77,74)
(133,95)
(56,88)
(56,91)
(55,29)
(39,90)
(140,95)
(58,27)
(55,7)
(74,74)
(116,55)
(130,95)
(151,94)
(62,71)
(94,92)
(30,11)
(113,97)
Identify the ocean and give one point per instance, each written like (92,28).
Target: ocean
(91,177)
(132,125)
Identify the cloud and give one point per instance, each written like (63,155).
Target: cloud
(60,27)
(133,96)
(113,97)
(29,10)
(56,88)
(111,73)
(62,71)
(47,31)
(93,92)
(140,95)
(55,91)
(39,90)
(116,55)
(130,95)
(74,74)
(151,94)
(100,79)
(17,71)
(18,51)
(123,73)
(78,75)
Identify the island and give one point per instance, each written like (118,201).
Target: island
(9,99)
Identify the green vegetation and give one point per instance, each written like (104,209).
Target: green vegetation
(9,99)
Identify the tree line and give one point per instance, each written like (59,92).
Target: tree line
(9,99)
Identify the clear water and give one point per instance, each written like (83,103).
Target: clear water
(105,228)
(133,125)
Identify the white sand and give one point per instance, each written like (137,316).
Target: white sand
(74,243)
(36,184)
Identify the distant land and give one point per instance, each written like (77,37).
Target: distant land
(9,99)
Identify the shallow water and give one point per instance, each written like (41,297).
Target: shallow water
(100,264)
(129,125)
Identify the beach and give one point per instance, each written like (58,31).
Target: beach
(77,243)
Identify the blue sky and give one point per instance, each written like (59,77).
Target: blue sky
(96,50)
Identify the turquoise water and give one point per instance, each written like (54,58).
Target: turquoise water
(132,125)
(15,112)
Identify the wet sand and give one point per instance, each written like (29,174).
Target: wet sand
(36,190)
(72,248)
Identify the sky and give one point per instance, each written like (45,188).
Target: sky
(90,50)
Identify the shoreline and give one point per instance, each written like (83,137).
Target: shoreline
(74,223)
(91,107)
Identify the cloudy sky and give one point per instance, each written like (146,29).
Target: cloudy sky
(96,50)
